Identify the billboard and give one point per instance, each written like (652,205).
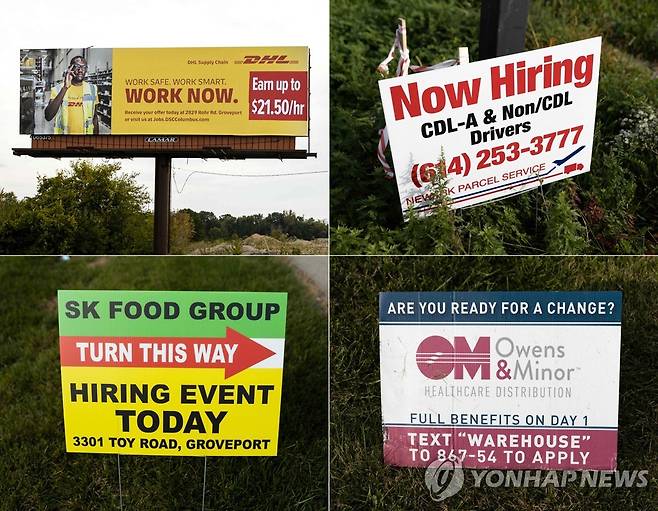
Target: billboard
(505,380)
(494,128)
(180,373)
(165,91)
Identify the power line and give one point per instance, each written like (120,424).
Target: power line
(281,174)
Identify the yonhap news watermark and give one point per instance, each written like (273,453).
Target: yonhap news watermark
(445,478)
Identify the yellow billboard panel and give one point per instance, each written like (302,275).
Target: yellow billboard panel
(166,91)
(224,91)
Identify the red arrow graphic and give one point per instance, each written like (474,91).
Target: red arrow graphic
(235,352)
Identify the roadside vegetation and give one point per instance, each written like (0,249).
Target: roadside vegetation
(613,209)
(37,473)
(96,209)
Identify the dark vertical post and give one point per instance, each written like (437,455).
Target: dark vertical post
(502,27)
(162,205)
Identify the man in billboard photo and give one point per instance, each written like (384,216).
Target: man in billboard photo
(73,103)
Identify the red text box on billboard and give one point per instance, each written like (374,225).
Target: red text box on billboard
(277,95)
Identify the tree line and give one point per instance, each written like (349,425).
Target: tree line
(207,226)
(95,209)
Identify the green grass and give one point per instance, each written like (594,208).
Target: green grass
(611,210)
(359,478)
(35,471)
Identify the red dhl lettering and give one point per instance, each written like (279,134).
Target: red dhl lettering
(266,59)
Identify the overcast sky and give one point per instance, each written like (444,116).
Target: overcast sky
(177,23)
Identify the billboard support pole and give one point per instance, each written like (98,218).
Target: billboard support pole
(502,27)
(162,205)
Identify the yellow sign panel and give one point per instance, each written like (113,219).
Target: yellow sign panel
(206,91)
(189,412)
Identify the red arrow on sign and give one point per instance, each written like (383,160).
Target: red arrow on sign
(250,353)
(235,352)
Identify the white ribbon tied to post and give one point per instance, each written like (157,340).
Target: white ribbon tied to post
(400,44)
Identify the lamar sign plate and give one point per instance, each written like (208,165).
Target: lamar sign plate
(496,127)
(504,380)
(172,373)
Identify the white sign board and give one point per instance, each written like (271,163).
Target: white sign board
(506,380)
(496,128)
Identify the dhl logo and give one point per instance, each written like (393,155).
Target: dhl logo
(266,59)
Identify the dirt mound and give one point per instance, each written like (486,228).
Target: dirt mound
(259,241)
(258,244)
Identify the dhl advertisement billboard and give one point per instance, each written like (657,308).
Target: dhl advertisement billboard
(165,91)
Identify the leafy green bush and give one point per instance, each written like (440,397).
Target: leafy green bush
(87,209)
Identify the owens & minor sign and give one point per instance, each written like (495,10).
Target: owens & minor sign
(501,379)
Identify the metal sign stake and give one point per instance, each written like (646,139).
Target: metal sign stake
(203,497)
(119,471)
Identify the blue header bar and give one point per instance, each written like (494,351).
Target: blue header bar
(501,307)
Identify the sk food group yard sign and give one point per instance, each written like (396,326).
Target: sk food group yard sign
(495,128)
(501,379)
(172,373)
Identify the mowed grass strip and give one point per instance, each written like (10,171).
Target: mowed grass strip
(35,471)
(359,478)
